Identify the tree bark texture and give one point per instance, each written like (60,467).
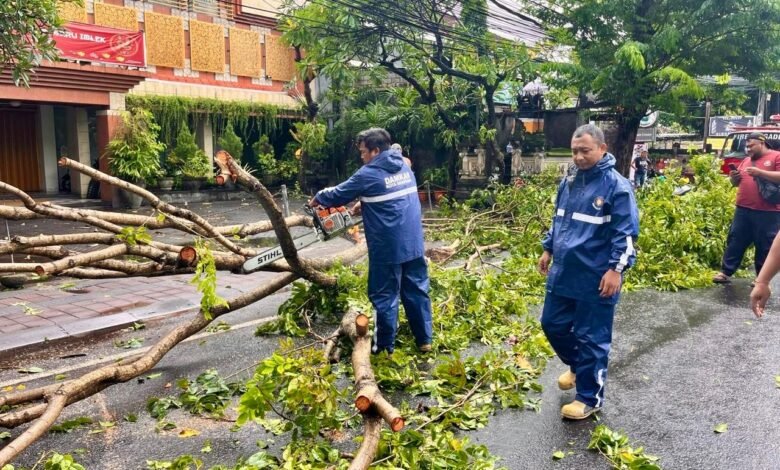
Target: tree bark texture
(623,147)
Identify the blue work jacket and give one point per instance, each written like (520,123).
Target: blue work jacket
(392,217)
(595,225)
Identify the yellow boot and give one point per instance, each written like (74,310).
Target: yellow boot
(566,380)
(577,410)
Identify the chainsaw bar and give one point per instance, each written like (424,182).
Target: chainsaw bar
(328,224)
(275,253)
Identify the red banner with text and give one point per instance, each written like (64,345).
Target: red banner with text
(92,43)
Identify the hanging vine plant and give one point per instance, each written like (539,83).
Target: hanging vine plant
(171,111)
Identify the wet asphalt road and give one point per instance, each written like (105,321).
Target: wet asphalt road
(681,364)
(129,445)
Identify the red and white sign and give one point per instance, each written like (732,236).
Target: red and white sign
(93,43)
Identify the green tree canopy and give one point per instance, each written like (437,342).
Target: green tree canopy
(636,55)
(26,40)
(440,48)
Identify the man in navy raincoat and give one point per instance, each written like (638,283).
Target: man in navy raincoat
(392,218)
(592,244)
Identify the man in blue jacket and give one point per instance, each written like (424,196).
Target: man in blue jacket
(592,244)
(392,219)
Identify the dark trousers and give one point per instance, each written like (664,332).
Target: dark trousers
(580,332)
(409,281)
(749,227)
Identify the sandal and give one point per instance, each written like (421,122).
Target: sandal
(721,278)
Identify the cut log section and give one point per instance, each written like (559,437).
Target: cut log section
(368,398)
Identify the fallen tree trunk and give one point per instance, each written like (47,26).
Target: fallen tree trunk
(151,223)
(369,400)
(80,260)
(155,202)
(93,382)
(372,430)
(42,406)
(229,168)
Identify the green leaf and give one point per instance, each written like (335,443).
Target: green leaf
(206,449)
(188,432)
(31,370)
(205,279)
(70,425)
(721,428)
(558,455)
(132,343)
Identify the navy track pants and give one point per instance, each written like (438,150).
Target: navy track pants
(386,282)
(580,332)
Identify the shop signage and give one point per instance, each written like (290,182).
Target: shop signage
(87,42)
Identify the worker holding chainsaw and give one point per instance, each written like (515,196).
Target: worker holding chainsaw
(387,192)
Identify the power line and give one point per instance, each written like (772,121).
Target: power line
(406,18)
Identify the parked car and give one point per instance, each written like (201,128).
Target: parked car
(733,150)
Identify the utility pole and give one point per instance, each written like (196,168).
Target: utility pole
(707,110)
(760,111)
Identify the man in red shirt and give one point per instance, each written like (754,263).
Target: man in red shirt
(756,221)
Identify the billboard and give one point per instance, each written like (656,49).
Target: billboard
(720,126)
(88,42)
(646,134)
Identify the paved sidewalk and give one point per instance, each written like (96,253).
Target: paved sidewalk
(65,307)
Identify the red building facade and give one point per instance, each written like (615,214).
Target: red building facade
(219,49)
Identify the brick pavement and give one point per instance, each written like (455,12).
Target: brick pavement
(65,307)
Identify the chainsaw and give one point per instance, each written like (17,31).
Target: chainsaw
(329,223)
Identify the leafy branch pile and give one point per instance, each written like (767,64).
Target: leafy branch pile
(682,238)
(615,447)
(490,350)
(207,394)
(438,395)
(51,461)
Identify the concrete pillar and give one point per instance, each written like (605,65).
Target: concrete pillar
(204,136)
(48,148)
(481,170)
(78,148)
(517,162)
(107,123)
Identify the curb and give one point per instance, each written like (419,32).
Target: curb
(48,335)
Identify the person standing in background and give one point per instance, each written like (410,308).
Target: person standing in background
(756,221)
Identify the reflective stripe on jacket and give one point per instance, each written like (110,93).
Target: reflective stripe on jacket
(391,210)
(595,225)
